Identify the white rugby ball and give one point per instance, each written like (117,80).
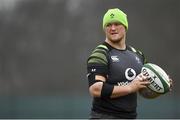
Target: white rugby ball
(159,80)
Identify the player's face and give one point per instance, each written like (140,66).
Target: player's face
(115,32)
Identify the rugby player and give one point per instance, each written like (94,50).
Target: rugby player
(114,71)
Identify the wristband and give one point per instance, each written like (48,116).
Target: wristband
(107,90)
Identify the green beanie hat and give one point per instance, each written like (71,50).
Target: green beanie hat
(115,15)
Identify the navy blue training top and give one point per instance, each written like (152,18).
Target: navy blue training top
(120,67)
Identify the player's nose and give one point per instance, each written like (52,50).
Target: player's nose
(113,27)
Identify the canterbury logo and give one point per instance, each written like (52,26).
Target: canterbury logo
(115,58)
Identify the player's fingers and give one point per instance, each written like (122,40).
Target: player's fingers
(145,83)
(171,84)
(143,86)
(145,77)
(141,77)
(170,80)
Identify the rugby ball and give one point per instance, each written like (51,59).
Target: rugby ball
(159,80)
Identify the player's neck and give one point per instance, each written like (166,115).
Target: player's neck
(121,45)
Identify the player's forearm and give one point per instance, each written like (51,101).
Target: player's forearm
(105,90)
(96,90)
(119,91)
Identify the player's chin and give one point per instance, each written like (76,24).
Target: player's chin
(115,39)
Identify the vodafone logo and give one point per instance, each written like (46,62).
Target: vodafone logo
(130,74)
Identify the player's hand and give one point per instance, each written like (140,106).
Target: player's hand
(139,82)
(171,83)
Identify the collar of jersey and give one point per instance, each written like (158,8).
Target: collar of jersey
(111,47)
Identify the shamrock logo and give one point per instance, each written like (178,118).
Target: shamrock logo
(112,15)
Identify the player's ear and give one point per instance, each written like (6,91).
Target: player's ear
(104,29)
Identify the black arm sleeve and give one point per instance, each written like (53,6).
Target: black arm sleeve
(100,70)
(95,69)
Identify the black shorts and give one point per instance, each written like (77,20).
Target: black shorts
(98,115)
